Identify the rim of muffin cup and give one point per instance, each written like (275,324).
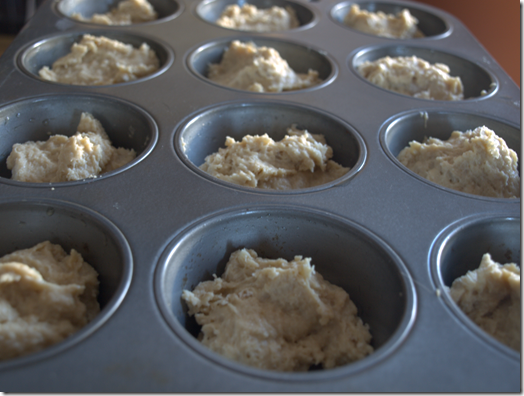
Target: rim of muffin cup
(475,78)
(203,133)
(45,51)
(166,10)
(432,25)
(210,10)
(37,118)
(400,129)
(280,231)
(459,248)
(28,222)
(300,57)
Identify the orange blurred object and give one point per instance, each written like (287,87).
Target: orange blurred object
(496,24)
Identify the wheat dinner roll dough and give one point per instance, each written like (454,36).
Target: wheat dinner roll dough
(127,12)
(101,61)
(299,160)
(86,154)
(476,162)
(413,76)
(45,296)
(278,315)
(250,18)
(259,69)
(402,25)
(490,297)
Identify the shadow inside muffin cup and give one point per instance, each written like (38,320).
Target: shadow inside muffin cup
(36,119)
(477,82)
(25,223)
(204,133)
(86,8)
(397,132)
(460,248)
(299,57)
(344,253)
(428,23)
(46,51)
(211,10)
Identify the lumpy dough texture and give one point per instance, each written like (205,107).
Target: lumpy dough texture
(490,297)
(403,25)
(278,315)
(101,61)
(250,18)
(259,69)
(299,160)
(413,76)
(86,154)
(476,162)
(45,296)
(126,13)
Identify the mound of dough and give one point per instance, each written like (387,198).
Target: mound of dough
(126,13)
(86,154)
(490,297)
(250,18)
(101,61)
(475,162)
(403,25)
(299,160)
(278,315)
(45,296)
(258,69)
(413,76)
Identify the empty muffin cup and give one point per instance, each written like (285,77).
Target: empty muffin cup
(344,253)
(429,24)
(166,9)
(477,82)
(211,10)
(459,249)
(299,57)
(26,223)
(204,133)
(399,130)
(46,51)
(36,119)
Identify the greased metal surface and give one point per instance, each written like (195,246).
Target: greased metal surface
(158,225)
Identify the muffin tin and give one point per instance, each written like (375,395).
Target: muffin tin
(159,225)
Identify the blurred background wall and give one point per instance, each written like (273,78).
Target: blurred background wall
(496,24)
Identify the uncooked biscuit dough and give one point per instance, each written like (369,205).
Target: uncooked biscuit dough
(250,18)
(126,13)
(413,76)
(476,162)
(278,315)
(86,154)
(299,160)
(101,61)
(490,297)
(45,296)
(259,69)
(403,25)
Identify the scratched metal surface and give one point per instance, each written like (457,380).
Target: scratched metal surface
(158,225)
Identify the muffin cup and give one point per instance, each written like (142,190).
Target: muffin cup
(211,10)
(204,133)
(343,252)
(300,58)
(36,119)
(478,83)
(399,130)
(25,223)
(46,51)
(459,249)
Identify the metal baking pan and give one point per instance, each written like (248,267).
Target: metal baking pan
(159,225)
